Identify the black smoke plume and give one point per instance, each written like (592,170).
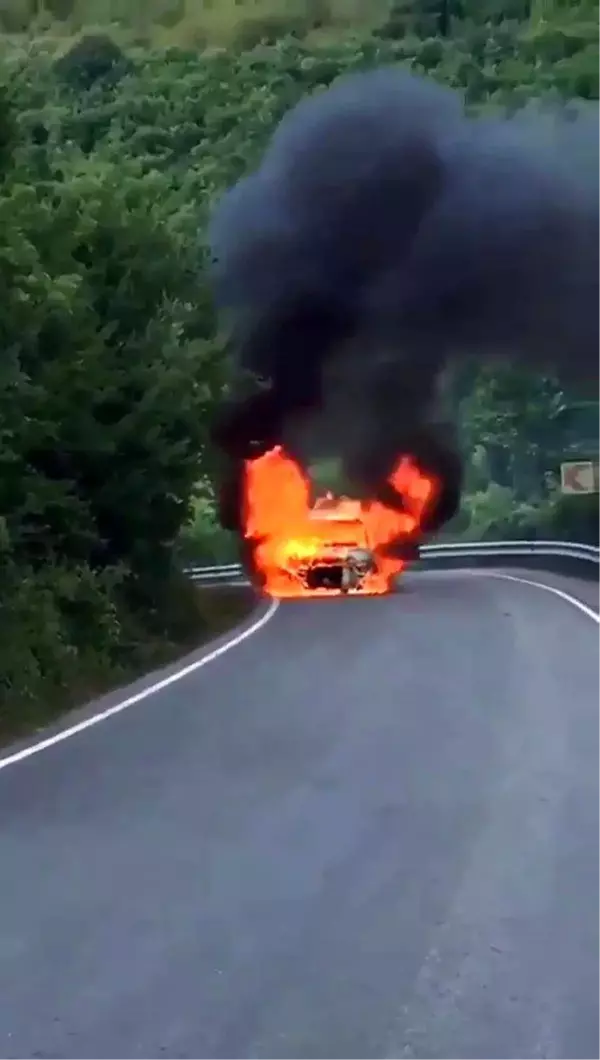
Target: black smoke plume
(386,234)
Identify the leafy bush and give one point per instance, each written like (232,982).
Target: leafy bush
(570,518)
(493,514)
(203,541)
(94,57)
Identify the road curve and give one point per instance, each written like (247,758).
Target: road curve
(371,830)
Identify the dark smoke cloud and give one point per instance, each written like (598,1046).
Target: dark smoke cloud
(386,234)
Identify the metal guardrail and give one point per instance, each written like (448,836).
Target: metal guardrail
(234,574)
(225,574)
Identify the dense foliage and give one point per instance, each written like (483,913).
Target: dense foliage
(110,158)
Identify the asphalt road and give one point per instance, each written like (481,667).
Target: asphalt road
(370,830)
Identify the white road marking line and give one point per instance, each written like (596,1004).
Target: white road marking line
(540,585)
(150,690)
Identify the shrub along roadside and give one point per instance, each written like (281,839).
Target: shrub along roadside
(52,664)
(106,380)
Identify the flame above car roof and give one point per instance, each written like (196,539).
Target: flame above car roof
(336,509)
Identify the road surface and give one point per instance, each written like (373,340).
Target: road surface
(369,830)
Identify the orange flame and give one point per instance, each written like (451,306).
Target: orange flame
(289,539)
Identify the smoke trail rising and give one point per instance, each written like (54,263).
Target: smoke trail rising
(387,233)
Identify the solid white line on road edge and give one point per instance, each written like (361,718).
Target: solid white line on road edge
(540,585)
(150,690)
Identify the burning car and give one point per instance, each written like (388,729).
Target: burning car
(335,555)
(336,546)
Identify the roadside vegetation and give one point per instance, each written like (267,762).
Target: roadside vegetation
(120,123)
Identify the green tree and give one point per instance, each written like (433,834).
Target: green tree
(514,417)
(108,372)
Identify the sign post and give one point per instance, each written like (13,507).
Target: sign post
(579,476)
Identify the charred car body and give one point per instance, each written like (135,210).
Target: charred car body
(338,557)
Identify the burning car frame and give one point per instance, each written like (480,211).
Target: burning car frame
(337,546)
(335,556)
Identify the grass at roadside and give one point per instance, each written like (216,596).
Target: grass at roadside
(217,611)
